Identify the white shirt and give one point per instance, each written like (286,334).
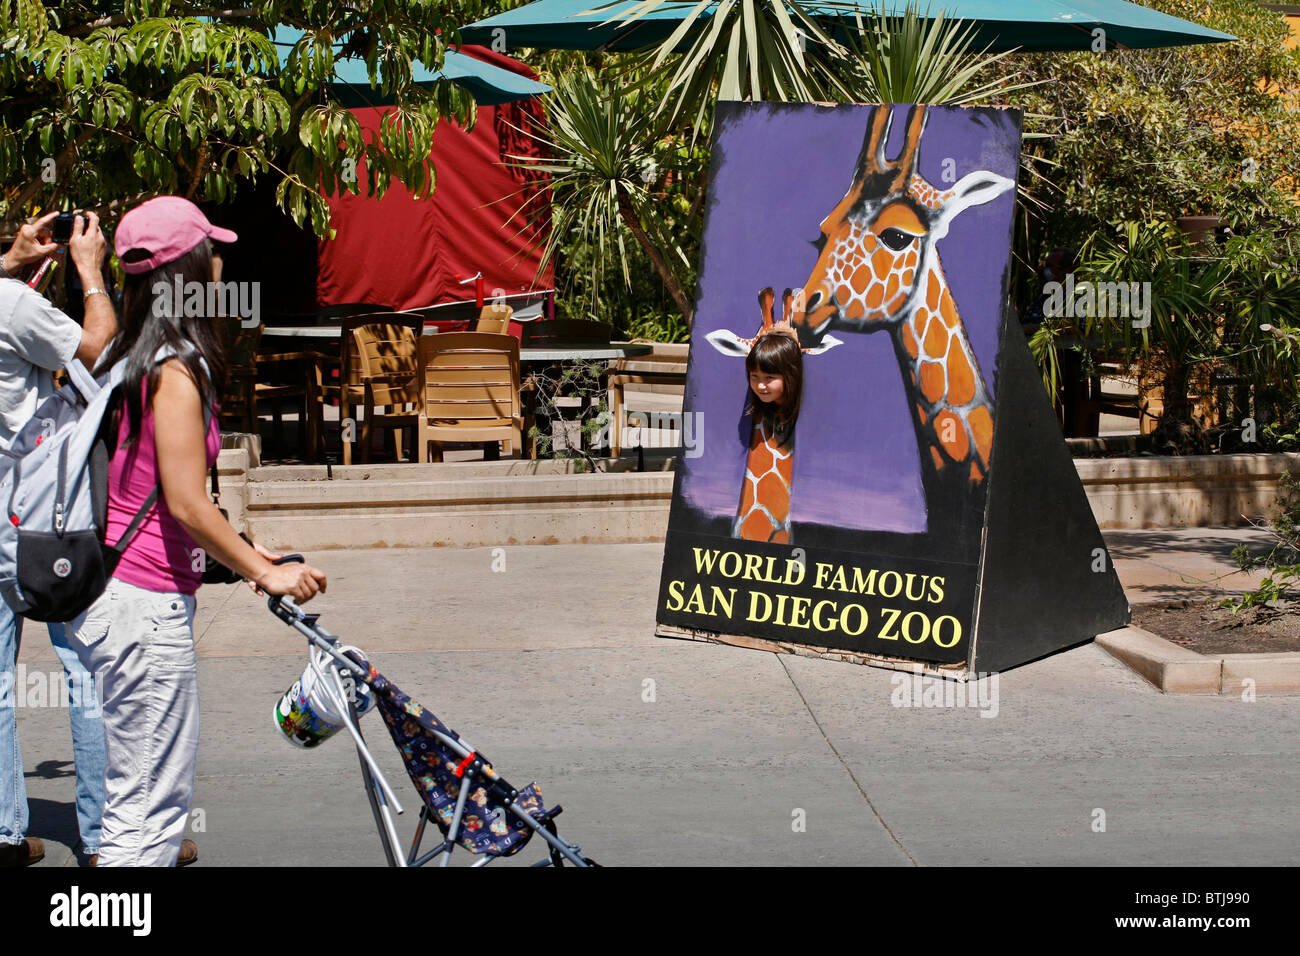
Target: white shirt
(36,340)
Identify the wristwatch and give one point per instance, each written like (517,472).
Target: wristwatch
(5,273)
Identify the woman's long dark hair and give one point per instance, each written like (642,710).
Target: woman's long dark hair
(777,354)
(151,320)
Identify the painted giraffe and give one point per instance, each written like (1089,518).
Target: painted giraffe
(879,269)
(764,510)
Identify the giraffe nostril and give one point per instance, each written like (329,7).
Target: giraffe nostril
(814,301)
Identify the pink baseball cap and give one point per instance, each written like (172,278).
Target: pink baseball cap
(168,227)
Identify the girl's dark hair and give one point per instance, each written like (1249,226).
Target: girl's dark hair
(149,321)
(778,354)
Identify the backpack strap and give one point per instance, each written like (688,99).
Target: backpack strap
(82,380)
(13,492)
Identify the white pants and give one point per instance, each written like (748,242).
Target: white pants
(141,645)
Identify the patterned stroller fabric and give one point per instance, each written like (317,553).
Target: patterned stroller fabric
(486,825)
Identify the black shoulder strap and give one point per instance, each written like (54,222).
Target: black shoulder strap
(138,520)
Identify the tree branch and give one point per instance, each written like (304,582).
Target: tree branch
(61,164)
(10,227)
(120,19)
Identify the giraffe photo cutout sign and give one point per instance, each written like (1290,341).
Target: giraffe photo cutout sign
(866,529)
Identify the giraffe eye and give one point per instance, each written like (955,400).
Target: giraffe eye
(896,239)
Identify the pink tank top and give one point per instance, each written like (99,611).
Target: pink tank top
(161,555)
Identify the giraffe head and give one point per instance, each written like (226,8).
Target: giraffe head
(878,243)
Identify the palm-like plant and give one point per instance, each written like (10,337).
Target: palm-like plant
(602,165)
(834,50)
(911,58)
(1207,306)
(743,49)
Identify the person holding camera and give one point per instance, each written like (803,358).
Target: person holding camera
(36,340)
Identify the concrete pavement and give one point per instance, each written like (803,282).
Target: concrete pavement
(672,752)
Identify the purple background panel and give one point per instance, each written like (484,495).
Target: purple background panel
(778,170)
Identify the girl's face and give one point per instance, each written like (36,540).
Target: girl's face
(767,386)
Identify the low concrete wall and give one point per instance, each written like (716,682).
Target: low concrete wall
(1197,491)
(475,505)
(519,502)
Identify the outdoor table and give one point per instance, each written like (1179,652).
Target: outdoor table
(560,354)
(546,355)
(549,353)
(579,353)
(311,331)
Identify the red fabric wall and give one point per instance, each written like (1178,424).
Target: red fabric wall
(404,254)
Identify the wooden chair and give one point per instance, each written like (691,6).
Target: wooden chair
(387,353)
(469,392)
(238,398)
(494,318)
(661,376)
(339,379)
(245,389)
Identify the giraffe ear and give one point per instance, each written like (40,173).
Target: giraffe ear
(973,189)
(728,343)
(827,343)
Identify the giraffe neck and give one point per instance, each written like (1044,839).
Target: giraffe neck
(951,408)
(764,512)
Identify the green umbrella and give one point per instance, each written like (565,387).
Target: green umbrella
(491,85)
(1029,24)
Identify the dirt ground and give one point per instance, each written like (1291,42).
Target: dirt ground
(1207,629)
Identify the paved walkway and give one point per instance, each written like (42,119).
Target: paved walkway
(546,665)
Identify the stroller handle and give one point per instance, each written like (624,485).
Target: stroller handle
(287,610)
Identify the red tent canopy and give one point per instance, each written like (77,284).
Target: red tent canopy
(406,254)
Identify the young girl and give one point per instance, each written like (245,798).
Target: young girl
(138,636)
(775,367)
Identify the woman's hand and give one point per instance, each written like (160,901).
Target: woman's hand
(298,581)
(301,589)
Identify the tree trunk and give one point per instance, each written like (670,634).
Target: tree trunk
(656,258)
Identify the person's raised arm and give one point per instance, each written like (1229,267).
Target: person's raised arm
(87,249)
(182,468)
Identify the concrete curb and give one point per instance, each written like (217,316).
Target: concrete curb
(1178,670)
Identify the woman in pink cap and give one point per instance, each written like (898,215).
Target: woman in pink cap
(138,636)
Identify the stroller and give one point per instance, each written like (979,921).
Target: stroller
(470,803)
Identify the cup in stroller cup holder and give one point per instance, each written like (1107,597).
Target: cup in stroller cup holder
(312,711)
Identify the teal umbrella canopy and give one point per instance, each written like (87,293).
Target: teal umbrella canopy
(1032,25)
(491,85)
